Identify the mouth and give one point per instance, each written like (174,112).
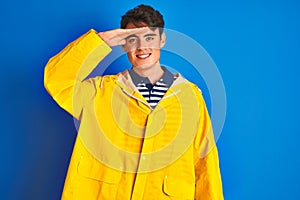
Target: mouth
(143,56)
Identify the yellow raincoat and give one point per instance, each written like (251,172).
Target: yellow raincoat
(125,149)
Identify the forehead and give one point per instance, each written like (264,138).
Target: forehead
(136,25)
(149,30)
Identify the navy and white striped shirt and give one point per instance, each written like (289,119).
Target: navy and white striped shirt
(152,93)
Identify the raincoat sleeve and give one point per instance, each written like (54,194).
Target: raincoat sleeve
(207,171)
(65,72)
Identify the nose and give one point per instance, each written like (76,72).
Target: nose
(142,44)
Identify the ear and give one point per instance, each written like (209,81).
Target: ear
(163,40)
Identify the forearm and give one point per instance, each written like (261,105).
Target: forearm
(208,177)
(66,70)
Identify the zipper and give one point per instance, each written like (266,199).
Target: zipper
(136,98)
(168,96)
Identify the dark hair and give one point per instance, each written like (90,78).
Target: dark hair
(143,14)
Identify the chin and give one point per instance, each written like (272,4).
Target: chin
(144,65)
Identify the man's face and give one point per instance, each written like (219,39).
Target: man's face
(143,49)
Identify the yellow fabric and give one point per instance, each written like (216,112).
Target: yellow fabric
(124,149)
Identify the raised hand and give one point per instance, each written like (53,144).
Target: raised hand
(118,36)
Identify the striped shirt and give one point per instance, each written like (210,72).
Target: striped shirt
(152,93)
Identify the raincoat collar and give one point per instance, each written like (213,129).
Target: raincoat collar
(125,82)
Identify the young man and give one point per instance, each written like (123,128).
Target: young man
(144,133)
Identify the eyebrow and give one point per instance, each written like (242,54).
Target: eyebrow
(147,35)
(133,35)
(150,34)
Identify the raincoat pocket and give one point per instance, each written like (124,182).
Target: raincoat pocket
(91,168)
(95,181)
(178,188)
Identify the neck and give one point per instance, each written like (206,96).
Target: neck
(153,72)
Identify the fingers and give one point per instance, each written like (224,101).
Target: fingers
(118,36)
(127,32)
(122,42)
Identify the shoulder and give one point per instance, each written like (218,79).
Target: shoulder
(180,79)
(99,82)
(195,87)
(196,90)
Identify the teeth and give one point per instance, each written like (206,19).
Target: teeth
(143,56)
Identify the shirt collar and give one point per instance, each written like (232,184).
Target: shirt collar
(166,78)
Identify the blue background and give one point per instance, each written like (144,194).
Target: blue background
(255,45)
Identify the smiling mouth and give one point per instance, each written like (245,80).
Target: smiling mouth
(143,56)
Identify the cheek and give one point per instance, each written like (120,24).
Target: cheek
(156,54)
(130,56)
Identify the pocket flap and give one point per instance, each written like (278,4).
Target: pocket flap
(93,169)
(178,188)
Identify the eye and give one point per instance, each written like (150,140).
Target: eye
(132,40)
(149,38)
